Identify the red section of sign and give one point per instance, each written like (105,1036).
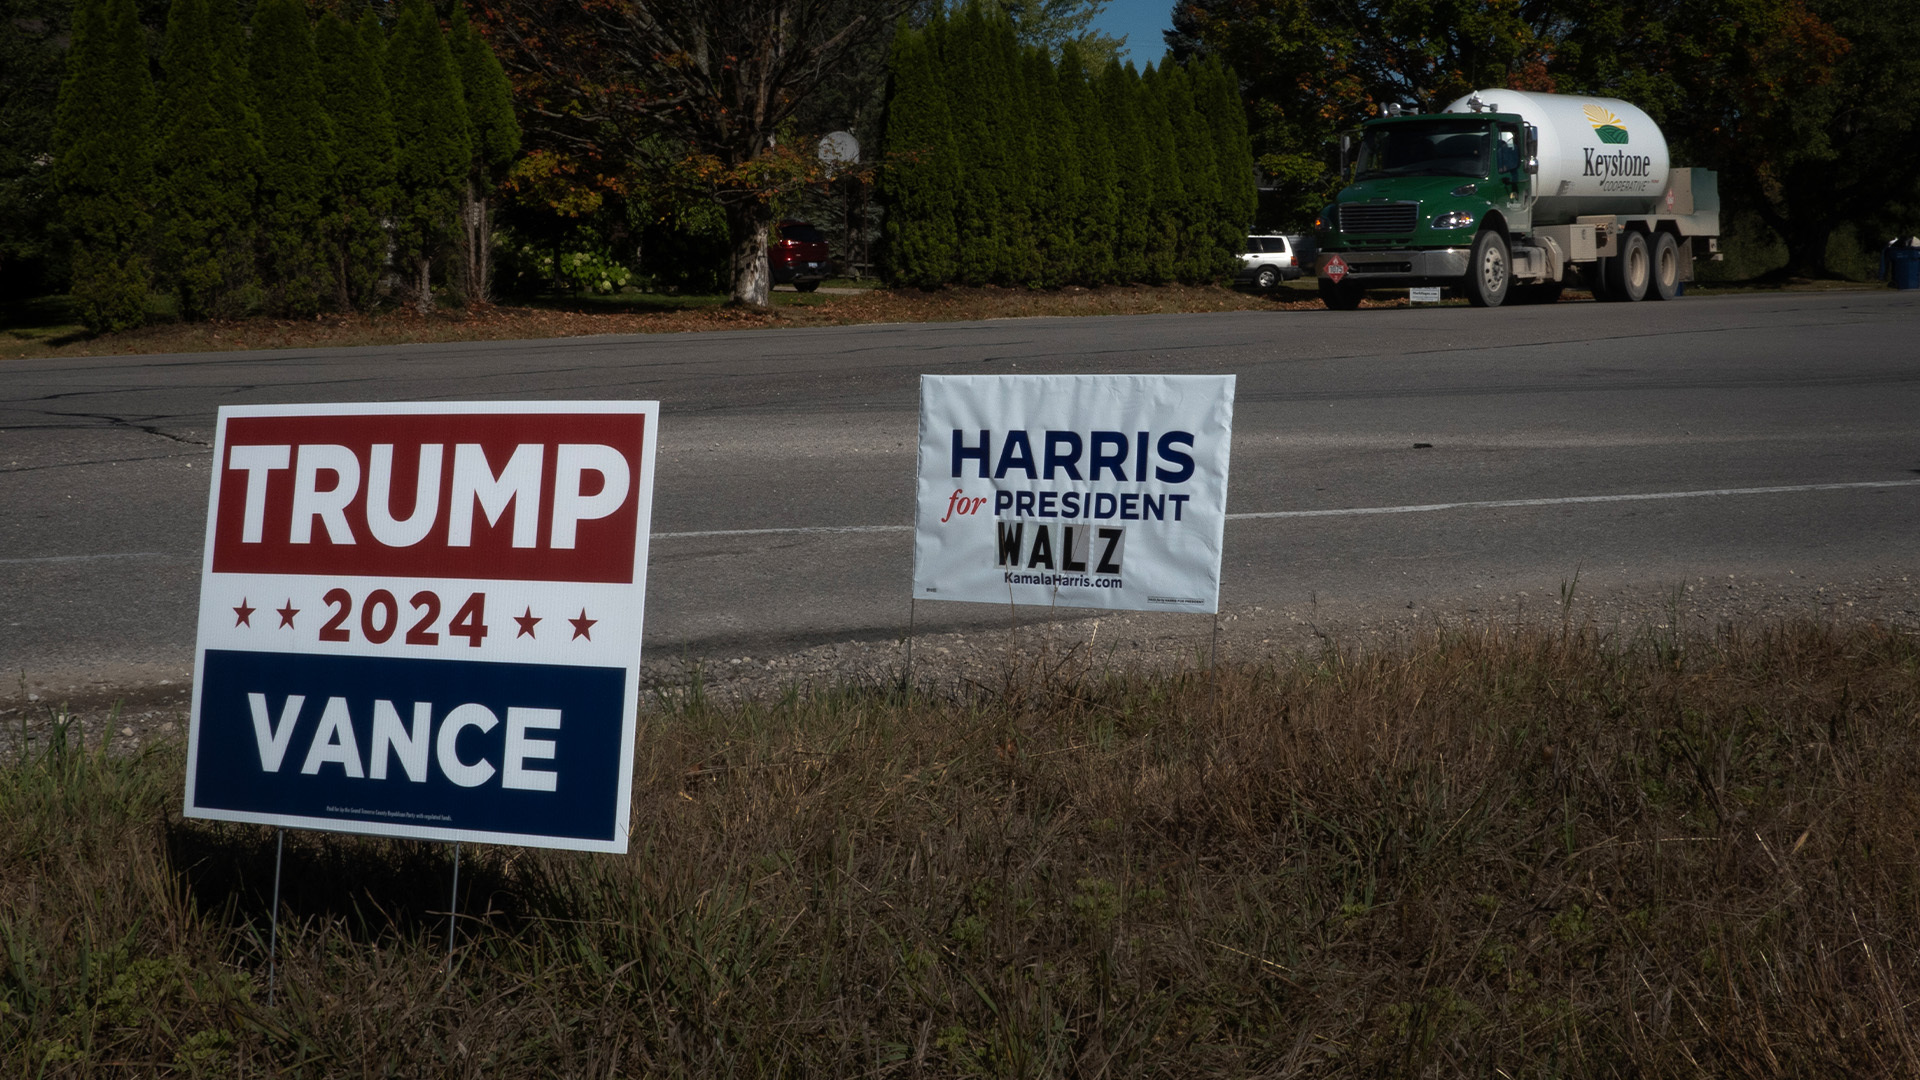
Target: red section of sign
(1336,268)
(286,513)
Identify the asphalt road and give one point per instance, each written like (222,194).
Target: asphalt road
(1630,445)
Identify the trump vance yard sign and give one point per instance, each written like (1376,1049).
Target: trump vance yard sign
(424,620)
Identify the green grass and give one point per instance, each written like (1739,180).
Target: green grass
(1485,852)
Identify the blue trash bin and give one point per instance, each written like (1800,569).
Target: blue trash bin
(1903,266)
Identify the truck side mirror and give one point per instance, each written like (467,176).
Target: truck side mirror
(1533,150)
(1346,148)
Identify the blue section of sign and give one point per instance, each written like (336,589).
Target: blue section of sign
(517,730)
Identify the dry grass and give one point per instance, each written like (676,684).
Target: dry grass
(1490,852)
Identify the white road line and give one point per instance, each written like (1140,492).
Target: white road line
(1361,511)
(1267,515)
(1569,500)
(797,531)
(96,558)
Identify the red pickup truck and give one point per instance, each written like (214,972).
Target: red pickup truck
(797,255)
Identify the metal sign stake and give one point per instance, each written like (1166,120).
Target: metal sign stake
(453,905)
(273,934)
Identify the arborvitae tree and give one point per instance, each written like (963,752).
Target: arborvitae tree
(297,172)
(103,163)
(495,140)
(431,131)
(917,187)
(1013,128)
(363,156)
(1199,258)
(373,35)
(979,212)
(1120,98)
(1217,98)
(210,157)
(1056,187)
(1162,253)
(1096,207)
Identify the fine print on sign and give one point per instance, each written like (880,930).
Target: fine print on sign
(1424,294)
(424,620)
(1100,491)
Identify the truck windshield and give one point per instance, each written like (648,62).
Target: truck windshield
(1425,148)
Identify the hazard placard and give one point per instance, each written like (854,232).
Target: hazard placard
(1336,268)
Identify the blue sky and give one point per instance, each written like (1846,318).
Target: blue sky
(1141,21)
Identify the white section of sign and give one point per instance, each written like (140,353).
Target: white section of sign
(1098,491)
(1424,294)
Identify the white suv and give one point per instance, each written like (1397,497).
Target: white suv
(1267,261)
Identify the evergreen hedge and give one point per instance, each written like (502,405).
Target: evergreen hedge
(103,163)
(355,92)
(297,169)
(1011,167)
(269,168)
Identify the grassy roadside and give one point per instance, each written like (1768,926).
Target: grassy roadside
(1498,852)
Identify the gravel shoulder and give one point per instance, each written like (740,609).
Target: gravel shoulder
(129,706)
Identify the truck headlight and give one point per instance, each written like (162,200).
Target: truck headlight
(1453,219)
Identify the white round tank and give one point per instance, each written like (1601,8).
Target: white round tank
(1597,155)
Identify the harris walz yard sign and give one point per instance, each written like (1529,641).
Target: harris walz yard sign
(1096,491)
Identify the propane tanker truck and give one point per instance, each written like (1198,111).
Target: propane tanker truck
(1507,196)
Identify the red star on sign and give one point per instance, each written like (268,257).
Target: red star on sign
(287,613)
(243,615)
(581,625)
(527,622)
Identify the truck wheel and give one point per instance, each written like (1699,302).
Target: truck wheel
(1267,279)
(1628,272)
(1593,275)
(1489,271)
(1666,268)
(1341,296)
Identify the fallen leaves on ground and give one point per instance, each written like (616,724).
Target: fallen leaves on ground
(574,319)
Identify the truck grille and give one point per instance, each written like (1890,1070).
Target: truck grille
(1378,217)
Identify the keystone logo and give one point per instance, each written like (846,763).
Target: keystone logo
(1610,128)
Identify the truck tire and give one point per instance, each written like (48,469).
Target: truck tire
(1629,271)
(1341,296)
(1665,280)
(1489,270)
(1593,275)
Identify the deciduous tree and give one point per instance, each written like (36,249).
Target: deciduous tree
(720,77)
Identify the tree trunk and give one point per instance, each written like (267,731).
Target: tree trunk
(476,276)
(423,293)
(749,220)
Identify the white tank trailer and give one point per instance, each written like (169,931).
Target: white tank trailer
(1508,195)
